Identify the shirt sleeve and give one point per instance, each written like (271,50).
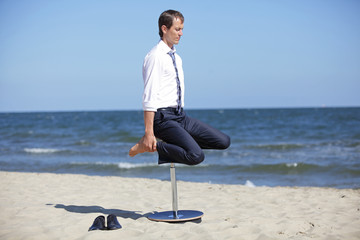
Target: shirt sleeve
(151,77)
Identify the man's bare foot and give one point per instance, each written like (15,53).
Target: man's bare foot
(141,146)
(136,149)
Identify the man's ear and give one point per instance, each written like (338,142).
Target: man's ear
(163,28)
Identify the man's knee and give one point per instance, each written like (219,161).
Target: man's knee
(195,158)
(225,142)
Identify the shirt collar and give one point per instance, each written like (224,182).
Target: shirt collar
(165,47)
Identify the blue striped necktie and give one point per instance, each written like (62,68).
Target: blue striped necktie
(178,101)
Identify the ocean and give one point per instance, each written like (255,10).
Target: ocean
(317,147)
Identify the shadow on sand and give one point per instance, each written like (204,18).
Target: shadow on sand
(117,212)
(97,209)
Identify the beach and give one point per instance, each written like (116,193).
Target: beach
(64,206)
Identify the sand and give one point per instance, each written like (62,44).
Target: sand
(63,206)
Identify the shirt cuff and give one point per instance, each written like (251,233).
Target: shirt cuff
(149,107)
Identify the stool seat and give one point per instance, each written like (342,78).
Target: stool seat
(175,215)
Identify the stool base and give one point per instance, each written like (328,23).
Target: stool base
(182,216)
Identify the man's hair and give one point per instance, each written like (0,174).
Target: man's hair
(167,18)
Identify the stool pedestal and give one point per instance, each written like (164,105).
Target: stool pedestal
(175,215)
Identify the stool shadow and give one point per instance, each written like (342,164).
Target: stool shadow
(98,209)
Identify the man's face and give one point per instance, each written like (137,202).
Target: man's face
(172,35)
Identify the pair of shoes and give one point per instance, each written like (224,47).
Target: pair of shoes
(99,223)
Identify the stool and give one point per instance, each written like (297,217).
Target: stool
(175,215)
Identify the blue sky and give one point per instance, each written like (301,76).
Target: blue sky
(87,55)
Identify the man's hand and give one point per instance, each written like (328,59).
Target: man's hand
(149,143)
(146,144)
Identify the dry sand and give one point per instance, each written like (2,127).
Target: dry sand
(63,206)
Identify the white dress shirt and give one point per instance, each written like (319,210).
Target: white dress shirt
(160,87)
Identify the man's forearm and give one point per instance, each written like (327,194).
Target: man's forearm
(149,122)
(148,142)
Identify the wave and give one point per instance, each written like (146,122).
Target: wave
(280,146)
(108,168)
(281,174)
(83,143)
(121,165)
(277,169)
(248,183)
(127,165)
(41,150)
(281,168)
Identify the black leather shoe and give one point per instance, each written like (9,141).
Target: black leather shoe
(99,224)
(112,222)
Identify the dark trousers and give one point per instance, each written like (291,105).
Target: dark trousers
(183,137)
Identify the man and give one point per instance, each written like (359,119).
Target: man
(183,138)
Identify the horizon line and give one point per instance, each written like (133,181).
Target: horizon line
(187,109)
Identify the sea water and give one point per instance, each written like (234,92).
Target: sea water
(270,147)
